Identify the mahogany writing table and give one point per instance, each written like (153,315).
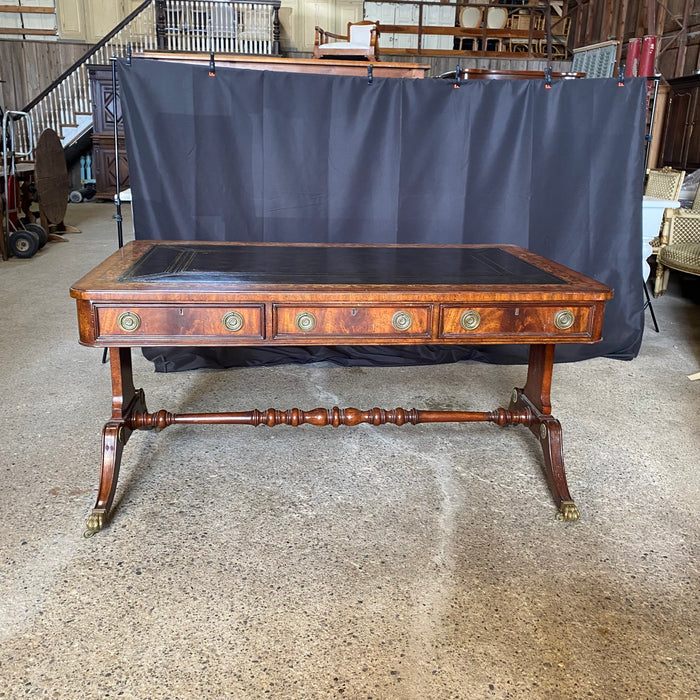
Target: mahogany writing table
(155,293)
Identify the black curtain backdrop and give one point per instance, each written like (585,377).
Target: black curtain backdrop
(267,156)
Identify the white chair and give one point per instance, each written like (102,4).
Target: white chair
(469,18)
(496,18)
(254,29)
(360,41)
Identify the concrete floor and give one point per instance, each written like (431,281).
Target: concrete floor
(417,562)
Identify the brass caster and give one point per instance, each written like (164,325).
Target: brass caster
(94,523)
(568,511)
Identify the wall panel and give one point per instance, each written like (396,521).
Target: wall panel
(30,66)
(71,19)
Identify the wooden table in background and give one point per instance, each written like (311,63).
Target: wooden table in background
(380,69)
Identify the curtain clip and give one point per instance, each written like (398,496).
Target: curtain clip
(128,54)
(621,75)
(548,77)
(458,77)
(212,67)
(370,74)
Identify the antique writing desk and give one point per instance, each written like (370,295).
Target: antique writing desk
(189,293)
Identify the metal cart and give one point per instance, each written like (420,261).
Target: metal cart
(19,238)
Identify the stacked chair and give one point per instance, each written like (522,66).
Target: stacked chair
(666,184)
(679,245)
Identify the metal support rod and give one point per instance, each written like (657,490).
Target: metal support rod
(117,198)
(648,138)
(650,133)
(650,307)
(548,30)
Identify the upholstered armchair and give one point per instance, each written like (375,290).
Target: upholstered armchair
(679,249)
(665,184)
(360,41)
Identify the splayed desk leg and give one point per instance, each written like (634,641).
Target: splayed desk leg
(547,429)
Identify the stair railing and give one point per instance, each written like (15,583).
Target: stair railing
(62,104)
(239,26)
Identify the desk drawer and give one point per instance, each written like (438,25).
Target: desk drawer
(391,322)
(485,321)
(176,322)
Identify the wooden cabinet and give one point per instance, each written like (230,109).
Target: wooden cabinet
(90,20)
(331,15)
(434,15)
(681,139)
(105,109)
(104,169)
(393,13)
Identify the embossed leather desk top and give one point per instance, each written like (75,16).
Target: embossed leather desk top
(156,293)
(336,265)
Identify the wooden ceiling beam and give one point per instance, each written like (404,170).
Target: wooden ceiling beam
(652,10)
(683,39)
(589,24)
(621,31)
(607,20)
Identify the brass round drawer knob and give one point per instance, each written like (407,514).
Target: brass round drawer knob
(233,321)
(128,321)
(402,320)
(564,319)
(470,320)
(305,321)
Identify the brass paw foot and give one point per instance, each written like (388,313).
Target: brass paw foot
(568,511)
(94,523)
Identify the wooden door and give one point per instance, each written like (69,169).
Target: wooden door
(681,111)
(692,138)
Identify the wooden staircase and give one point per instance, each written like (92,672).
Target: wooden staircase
(206,26)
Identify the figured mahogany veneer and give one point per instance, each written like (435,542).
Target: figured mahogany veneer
(199,324)
(215,294)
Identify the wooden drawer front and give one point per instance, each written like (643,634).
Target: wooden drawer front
(485,321)
(356,321)
(165,322)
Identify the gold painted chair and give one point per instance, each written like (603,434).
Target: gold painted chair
(664,183)
(521,22)
(361,41)
(561,26)
(682,253)
(679,250)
